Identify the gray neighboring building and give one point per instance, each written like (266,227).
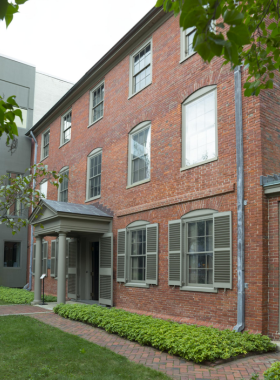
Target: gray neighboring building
(35,94)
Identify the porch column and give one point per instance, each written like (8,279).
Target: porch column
(61,273)
(38,265)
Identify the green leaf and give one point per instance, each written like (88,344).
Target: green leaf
(159,3)
(239,35)
(20,2)
(233,17)
(231,52)
(8,19)
(3,8)
(11,100)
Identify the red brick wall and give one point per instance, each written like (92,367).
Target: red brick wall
(160,102)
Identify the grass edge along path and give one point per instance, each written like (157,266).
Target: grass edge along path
(39,351)
(191,342)
(14,296)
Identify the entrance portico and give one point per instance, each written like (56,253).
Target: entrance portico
(69,220)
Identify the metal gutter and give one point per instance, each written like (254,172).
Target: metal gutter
(240,202)
(31,235)
(150,17)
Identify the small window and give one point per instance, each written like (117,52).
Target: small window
(96,103)
(66,123)
(16,208)
(139,163)
(138,255)
(187,37)
(12,254)
(94,174)
(44,189)
(45,144)
(63,187)
(141,68)
(199,128)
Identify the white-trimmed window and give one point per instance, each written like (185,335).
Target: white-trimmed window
(187,37)
(200,254)
(63,186)
(44,189)
(66,123)
(141,68)
(199,129)
(139,154)
(45,144)
(94,162)
(96,103)
(138,254)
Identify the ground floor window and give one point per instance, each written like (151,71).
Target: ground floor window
(138,255)
(11,254)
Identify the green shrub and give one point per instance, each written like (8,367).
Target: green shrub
(273,372)
(20,296)
(196,343)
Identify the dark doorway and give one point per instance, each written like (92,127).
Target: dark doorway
(95,271)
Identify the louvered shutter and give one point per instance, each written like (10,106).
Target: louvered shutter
(174,252)
(121,257)
(45,258)
(222,250)
(53,257)
(106,269)
(34,259)
(67,256)
(72,268)
(152,254)
(56,258)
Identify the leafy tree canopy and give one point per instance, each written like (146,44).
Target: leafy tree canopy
(9,8)
(242,32)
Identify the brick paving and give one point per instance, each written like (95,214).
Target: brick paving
(20,309)
(173,366)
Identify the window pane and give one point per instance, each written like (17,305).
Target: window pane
(200,129)
(11,254)
(140,154)
(138,255)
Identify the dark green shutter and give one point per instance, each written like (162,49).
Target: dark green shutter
(222,250)
(152,254)
(121,256)
(174,252)
(106,269)
(34,259)
(45,258)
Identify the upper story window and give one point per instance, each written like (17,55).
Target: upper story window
(16,208)
(94,174)
(141,68)
(66,122)
(45,144)
(96,103)
(199,130)
(44,189)
(187,37)
(63,186)
(139,154)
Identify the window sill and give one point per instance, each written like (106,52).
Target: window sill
(60,146)
(199,289)
(135,93)
(137,285)
(92,199)
(94,122)
(199,164)
(186,58)
(42,159)
(138,183)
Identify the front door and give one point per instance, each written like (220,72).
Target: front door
(95,270)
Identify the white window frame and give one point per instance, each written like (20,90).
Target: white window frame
(183,47)
(137,129)
(42,144)
(62,142)
(90,123)
(41,184)
(94,153)
(131,65)
(138,225)
(63,171)
(194,216)
(196,95)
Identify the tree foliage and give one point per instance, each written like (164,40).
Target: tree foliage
(8,9)
(241,32)
(21,190)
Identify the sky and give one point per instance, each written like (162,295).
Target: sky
(65,38)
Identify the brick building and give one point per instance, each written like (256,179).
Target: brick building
(148,219)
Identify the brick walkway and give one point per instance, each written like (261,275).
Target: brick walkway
(20,309)
(173,366)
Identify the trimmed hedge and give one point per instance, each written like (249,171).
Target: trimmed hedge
(273,372)
(196,343)
(20,296)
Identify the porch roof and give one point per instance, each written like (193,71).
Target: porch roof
(71,218)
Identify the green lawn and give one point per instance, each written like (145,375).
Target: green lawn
(31,350)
